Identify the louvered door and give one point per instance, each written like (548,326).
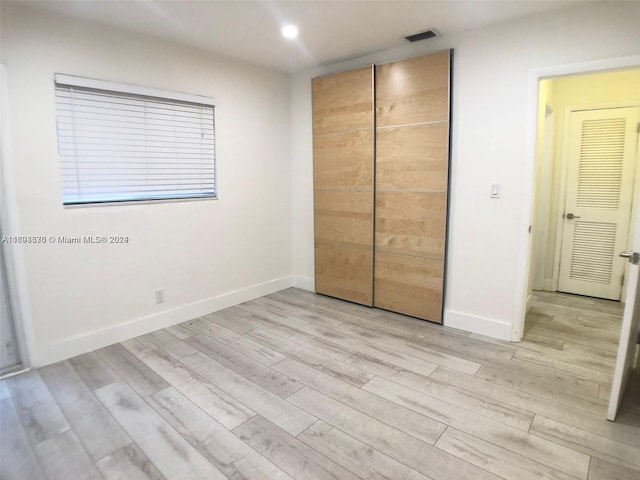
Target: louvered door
(600,179)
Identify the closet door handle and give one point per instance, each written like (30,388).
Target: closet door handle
(571,216)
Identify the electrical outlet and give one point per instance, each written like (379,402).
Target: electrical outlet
(160,296)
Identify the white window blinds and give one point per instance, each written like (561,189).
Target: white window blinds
(122,143)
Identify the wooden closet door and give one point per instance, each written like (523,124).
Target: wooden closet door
(412,168)
(343,140)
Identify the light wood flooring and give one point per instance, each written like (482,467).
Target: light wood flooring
(300,386)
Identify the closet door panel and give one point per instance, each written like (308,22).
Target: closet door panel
(343,160)
(412,283)
(412,157)
(343,169)
(412,163)
(413,91)
(344,217)
(411,223)
(344,272)
(342,101)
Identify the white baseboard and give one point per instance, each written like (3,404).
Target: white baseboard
(483,326)
(77,345)
(305,283)
(547,285)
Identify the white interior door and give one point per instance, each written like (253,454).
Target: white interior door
(630,331)
(600,177)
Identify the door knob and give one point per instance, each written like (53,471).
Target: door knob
(634,257)
(571,216)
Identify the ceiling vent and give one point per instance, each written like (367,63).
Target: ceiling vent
(422,35)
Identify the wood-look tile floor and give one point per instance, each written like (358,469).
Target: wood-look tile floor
(301,386)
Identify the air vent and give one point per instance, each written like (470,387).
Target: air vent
(422,35)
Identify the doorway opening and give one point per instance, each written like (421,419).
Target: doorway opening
(586,179)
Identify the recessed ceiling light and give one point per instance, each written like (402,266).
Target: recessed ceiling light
(290,31)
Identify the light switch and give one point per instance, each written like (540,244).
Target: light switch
(495,191)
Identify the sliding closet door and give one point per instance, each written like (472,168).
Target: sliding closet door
(343,184)
(412,159)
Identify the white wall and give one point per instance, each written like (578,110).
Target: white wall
(493,142)
(204,254)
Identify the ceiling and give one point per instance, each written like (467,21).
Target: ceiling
(330,31)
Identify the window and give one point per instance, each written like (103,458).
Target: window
(123,143)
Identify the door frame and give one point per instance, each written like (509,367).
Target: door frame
(535,75)
(12,254)
(564,178)
(540,237)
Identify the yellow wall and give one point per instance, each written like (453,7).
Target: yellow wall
(543,186)
(598,90)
